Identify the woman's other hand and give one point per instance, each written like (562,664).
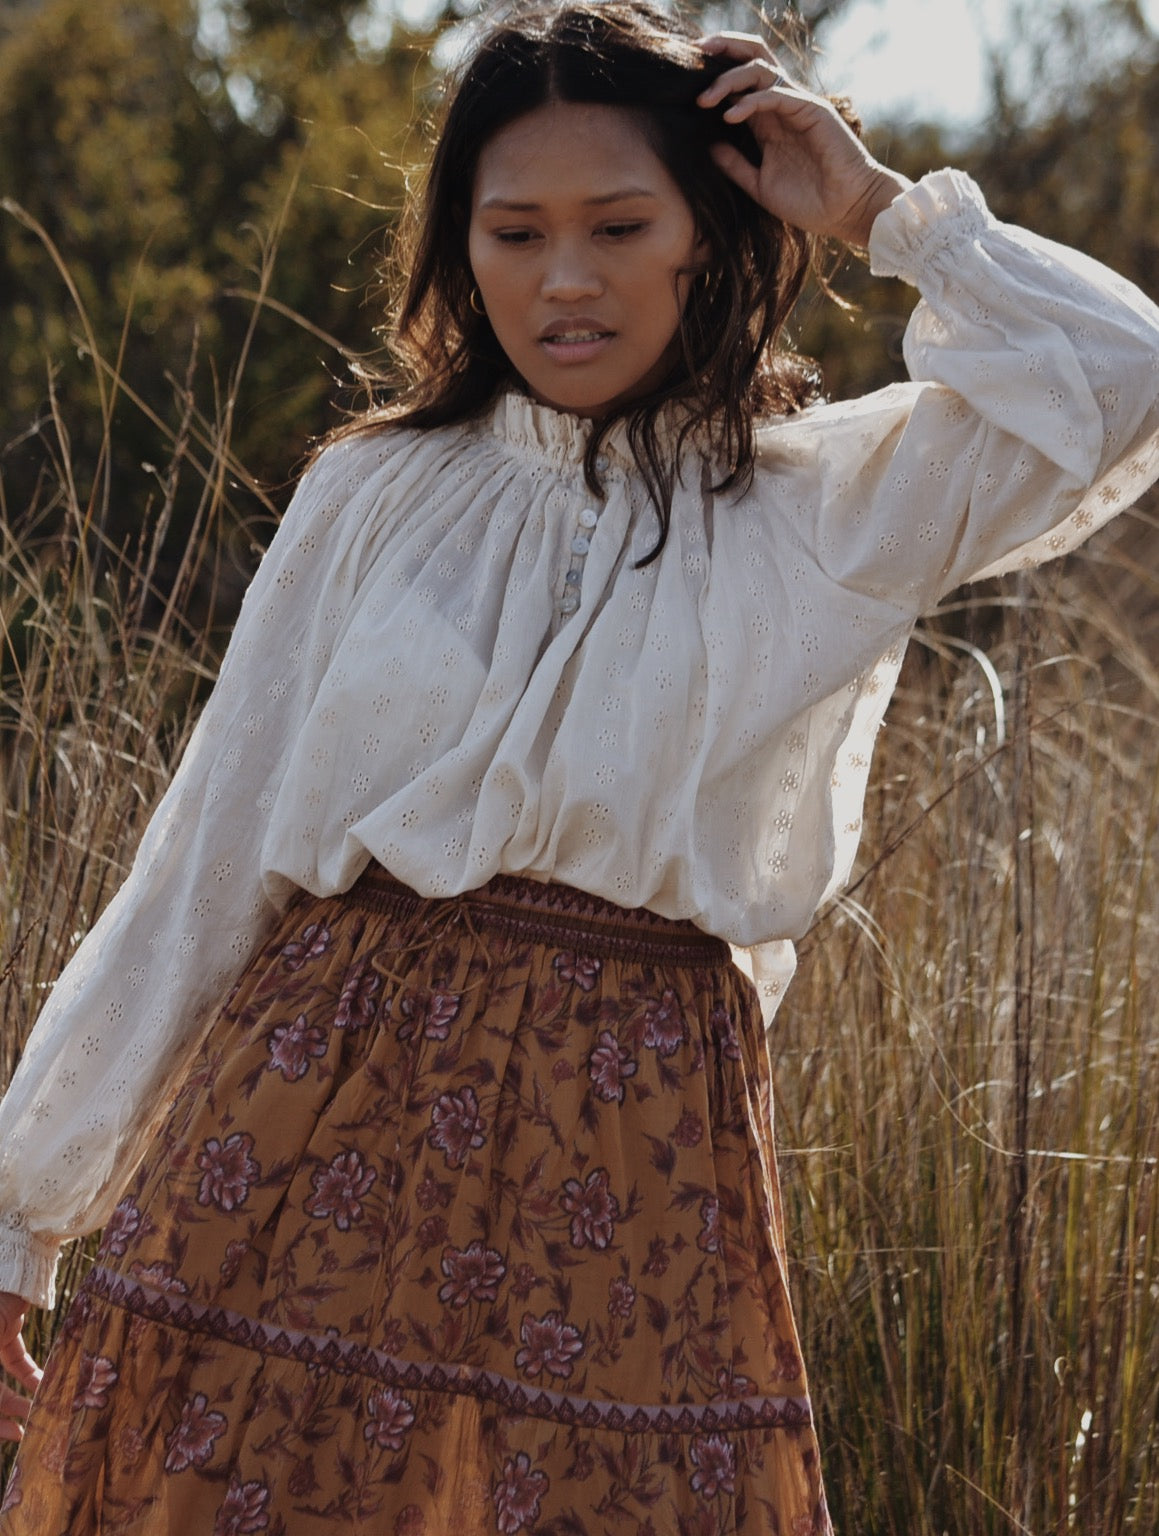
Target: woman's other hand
(18,1363)
(815,173)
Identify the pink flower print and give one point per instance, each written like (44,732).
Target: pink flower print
(230,1266)
(549,1344)
(621,1297)
(664,1024)
(517,1496)
(688,1129)
(358,1002)
(523,1281)
(227,1171)
(429,1013)
(722,1026)
(708,1238)
(593,1209)
(430,1192)
(121,1227)
(94,1380)
(391,1415)
(584,970)
(291,1047)
(339,1189)
(608,1065)
(583,1465)
(243,1511)
(732,1384)
(715,1463)
(473,1274)
(657,1261)
(315,941)
(456,1125)
(159,1276)
(393,1338)
(131,1445)
(431,1231)
(789,1366)
(190,1442)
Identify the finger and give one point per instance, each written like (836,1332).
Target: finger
(19,1363)
(737,168)
(13,1405)
(738,45)
(776,98)
(13,1411)
(753,75)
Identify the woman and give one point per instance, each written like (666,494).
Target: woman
(558,675)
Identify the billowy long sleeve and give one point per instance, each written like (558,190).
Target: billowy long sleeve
(129,1007)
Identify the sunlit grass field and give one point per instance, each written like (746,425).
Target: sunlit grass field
(968,1060)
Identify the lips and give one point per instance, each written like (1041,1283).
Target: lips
(575,328)
(576,339)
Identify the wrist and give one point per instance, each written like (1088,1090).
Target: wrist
(882,190)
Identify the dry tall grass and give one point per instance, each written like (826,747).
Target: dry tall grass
(968,1069)
(967,1062)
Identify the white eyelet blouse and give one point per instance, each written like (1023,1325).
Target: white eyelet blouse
(449,663)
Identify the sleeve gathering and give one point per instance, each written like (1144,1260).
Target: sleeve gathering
(1032,417)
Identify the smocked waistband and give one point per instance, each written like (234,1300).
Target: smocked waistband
(549,912)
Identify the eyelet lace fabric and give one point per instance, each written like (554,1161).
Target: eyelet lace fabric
(694,737)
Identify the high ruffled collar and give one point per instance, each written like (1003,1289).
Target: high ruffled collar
(560,438)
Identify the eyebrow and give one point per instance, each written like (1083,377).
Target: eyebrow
(601,201)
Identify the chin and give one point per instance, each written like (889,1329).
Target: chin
(574,402)
(573,397)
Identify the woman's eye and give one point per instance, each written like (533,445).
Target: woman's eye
(514,236)
(623,230)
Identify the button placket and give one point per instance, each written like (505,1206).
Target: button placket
(581,543)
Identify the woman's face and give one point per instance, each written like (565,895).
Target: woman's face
(581,244)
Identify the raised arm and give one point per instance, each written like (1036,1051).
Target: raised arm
(1033,413)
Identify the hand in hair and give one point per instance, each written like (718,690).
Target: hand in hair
(16,1360)
(814,172)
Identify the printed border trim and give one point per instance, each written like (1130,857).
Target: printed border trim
(350,1358)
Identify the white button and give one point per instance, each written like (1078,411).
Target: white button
(589,517)
(569,605)
(580,545)
(572,578)
(601,463)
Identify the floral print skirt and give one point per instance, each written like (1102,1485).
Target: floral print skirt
(465,1220)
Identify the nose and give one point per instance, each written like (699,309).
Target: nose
(570,272)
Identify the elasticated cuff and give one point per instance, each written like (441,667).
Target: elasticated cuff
(944,209)
(28,1265)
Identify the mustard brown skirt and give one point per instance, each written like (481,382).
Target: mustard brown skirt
(465,1220)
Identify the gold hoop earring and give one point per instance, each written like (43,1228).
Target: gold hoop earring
(475,300)
(705,281)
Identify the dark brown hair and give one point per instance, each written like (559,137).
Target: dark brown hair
(624,53)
